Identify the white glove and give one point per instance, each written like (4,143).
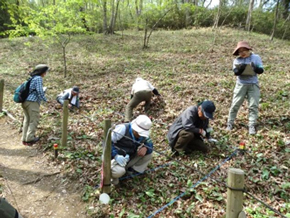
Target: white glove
(209,129)
(211,140)
(202,132)
(121,160)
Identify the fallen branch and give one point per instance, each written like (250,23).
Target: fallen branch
(10,115)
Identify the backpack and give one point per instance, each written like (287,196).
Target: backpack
(22,91)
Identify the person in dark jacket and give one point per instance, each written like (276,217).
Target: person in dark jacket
(131,147)
(72,95)
(7,210)
(191,127)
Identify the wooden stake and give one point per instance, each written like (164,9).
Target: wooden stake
(235,197)
(64,124)
(106,166)
(1,94)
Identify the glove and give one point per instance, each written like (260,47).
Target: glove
(142,151)
(257,69)
(121,160)
(127,157)
(202,132)
(211,140)
(240,69)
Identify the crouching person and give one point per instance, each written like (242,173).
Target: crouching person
(131,147)
(72,95)
(189,130)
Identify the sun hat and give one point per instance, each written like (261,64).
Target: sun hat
(142,125)
(241,44)
(208,108)
(39,69)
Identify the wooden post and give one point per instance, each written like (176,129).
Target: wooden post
(1,94)
(106,165)
(64,124)
(235,197)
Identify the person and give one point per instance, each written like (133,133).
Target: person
(7,210)
(131,147)
(32,104)
(188,131)
(246,67)
(141,91)
(72,95)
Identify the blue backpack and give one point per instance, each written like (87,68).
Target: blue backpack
(22,91)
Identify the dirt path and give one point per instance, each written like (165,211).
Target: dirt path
(33,185)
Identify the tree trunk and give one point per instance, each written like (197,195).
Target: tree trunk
(249,16)
(216,22)
(138,8)
(105,25)
(111,27)
(275,20)
(116,14)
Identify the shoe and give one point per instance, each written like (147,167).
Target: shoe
(229,127)
(26,143)
(131,171)
(252,130)
(36,139)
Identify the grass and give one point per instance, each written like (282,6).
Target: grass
(186,66)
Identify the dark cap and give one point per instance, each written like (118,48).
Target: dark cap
(208,109)
(76,89)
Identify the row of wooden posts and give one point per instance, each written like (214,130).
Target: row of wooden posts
(235,176)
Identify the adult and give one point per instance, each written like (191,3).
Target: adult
(131,147)
(7,210)
(188,131)
(246,67)
(72,95)
(142,90)
(32,104)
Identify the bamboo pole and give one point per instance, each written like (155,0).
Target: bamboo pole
(64,124)
(106,165)
(1,94)
(235,194)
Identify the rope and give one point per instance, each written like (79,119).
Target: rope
(266,205)
(193,186)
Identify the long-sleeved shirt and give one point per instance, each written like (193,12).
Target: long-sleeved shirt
(119,132)
(36,92)
(248,79)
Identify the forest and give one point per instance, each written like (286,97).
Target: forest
(185,49)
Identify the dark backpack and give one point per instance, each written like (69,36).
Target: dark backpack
(22,91)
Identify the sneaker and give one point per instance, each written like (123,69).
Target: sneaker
(252,130)
(36,139)
(27,143)
(229,127)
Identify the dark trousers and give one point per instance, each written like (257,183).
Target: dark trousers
(188,141)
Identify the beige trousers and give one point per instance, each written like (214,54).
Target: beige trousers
(31,120)
(138,163)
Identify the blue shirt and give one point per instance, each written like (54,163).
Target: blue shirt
(36,92)
(248,79)
(119,132)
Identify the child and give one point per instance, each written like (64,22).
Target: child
(246,67)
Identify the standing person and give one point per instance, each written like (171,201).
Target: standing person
(246,67)
(141,91)
(31,105)
(191,127)
(72,95)
(131,147)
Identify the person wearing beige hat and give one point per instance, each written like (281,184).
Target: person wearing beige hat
(32,104)
(131,147)
(246,68)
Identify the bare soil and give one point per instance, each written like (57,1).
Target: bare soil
(34,185)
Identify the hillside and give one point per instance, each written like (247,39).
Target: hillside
(186,66)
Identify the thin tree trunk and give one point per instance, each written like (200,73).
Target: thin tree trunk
(105,25)
(249,16)
(275,20)
(216,22)
(111,27)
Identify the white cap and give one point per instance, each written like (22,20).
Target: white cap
(142,125)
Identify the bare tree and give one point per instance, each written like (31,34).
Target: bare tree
(249,16)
